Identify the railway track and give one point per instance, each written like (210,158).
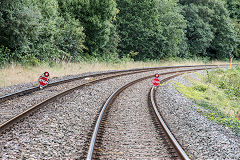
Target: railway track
(22,111)
(20,116)
(164,127)
(139,132)
(52,84)
(126,131)
(15,106)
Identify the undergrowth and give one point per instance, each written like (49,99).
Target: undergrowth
(218,94)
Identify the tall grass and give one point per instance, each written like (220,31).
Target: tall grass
(16,73)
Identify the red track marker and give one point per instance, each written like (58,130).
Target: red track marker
(155,82)
(43,80)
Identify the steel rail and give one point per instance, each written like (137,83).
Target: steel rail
(16,118)
(107,104)
(30,110)
(113,96)
(51,84)
(173,140)
(33,89)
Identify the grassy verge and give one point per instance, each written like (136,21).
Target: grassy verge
(218,95)
(15,73)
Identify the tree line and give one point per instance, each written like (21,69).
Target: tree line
(75,30)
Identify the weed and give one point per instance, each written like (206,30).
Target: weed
(217,92)
(218,116)
(200,88)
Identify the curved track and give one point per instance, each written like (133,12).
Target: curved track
(14,106)
(161,121)
(31,110)
(51,84)
(102,145)
(11,119)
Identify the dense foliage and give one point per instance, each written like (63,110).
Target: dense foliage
(32,31)
(234,10)
(210,30)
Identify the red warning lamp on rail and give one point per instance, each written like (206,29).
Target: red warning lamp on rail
(156,75)
(46,74)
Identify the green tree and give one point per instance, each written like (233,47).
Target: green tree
(96,16)
(210,30)
(233,7)
(34,30)
(62,32)
(226,38)
(199,33)
(173,25)
(234,10)
(139,28)
(152,28)
(20,26)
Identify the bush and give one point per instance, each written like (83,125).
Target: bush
(5,55)
(200,88)
(20,25)
(226,80)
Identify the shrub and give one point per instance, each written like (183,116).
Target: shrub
(5,55)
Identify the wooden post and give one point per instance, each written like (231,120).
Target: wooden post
(230,63)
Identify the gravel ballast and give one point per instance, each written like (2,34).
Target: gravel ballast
(60,129)
(23,86)
(17,105)
(200,137)
(129,131)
